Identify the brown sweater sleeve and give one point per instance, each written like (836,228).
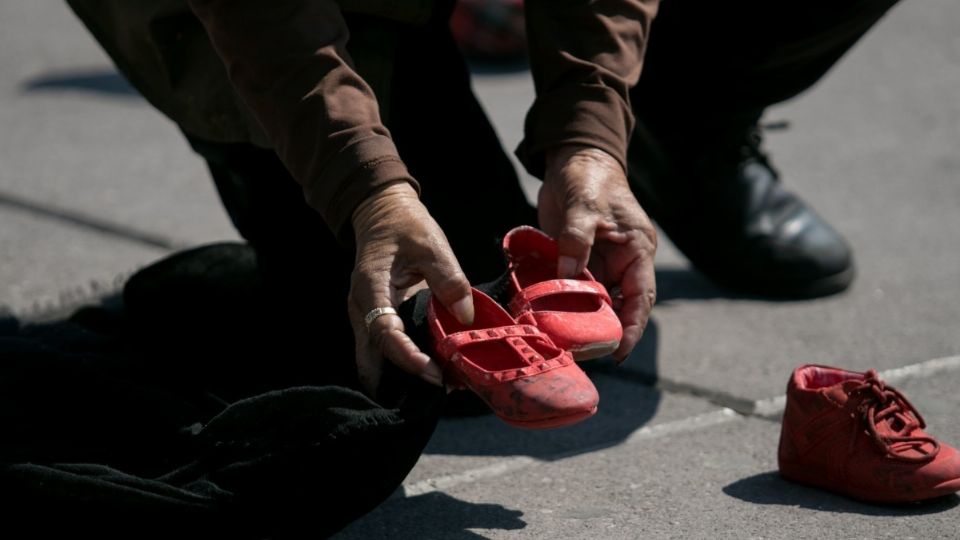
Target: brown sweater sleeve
(585,56)
(288,61)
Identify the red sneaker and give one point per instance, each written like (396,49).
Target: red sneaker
(525,379)
(576,313)
(850,433)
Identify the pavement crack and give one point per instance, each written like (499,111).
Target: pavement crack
(738,404)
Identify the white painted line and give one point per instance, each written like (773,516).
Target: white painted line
(507,465)
(770,406)
(921,369)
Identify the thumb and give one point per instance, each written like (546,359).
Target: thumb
(575,241)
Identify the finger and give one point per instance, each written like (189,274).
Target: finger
(409,292)
(448,283)
(387,336)
(384,337)
(575,240)
(639,295)
(368,372)
(631,334)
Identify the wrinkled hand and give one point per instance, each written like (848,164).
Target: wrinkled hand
(586,204)
(399,245)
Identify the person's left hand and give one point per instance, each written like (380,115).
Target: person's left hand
(586,204)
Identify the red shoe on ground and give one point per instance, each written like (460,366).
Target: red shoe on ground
(849,433)
(525,379)
(576,313)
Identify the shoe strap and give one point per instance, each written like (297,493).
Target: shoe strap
(523,300)
(515,336)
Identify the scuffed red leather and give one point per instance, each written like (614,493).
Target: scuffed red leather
(519,335)
(534,385)
(569,328)
(825,439)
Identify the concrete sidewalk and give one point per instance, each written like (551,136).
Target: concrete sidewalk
(94,183)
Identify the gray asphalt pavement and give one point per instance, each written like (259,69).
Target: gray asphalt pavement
(94,184)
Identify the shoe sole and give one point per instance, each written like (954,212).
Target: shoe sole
(553,422)
(940,490)
(593,351)
(547,423)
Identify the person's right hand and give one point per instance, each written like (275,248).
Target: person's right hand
(399,246)
(586,204)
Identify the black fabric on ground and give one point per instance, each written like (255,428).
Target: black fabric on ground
(186,416)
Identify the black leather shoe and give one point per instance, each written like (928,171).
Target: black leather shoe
(722,204)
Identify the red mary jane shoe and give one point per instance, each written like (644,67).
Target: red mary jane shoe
(515,368)
(576,313)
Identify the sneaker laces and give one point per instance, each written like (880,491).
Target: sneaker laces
(881,403)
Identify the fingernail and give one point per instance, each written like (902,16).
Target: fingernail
(566,267)
(463,310)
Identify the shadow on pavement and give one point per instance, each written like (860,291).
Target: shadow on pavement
(433,515)
(686,284)
(97,81)
(770,488)
(689,284)
(626,404)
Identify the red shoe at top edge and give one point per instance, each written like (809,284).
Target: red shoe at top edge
(576,313)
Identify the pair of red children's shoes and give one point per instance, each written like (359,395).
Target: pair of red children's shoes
(521,362)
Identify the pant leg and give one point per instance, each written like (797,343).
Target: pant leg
(267,207)
(303,270)
(469,185)
(713,63)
